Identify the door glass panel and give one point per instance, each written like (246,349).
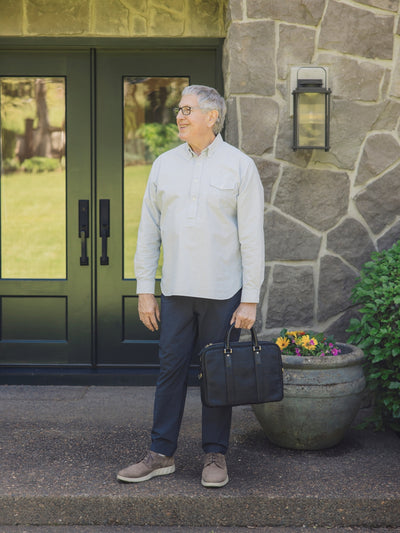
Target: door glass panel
(33,178)
(149,130)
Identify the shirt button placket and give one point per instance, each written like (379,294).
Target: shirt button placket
(195,186)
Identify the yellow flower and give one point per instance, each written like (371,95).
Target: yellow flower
(309,344)
(282,342)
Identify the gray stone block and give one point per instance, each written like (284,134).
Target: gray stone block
(316,197)
(379,202)
(352,242)
(250,64)
(286,240)
(380,152)
(336,281)
(371,35)
(306,12)
(291,297)
(258,118)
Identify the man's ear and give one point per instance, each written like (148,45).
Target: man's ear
(212,117)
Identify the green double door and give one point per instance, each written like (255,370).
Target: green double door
(79,131)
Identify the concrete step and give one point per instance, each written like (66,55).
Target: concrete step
(61,447)
(185,529)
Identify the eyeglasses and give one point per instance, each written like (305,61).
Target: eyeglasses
(186,109)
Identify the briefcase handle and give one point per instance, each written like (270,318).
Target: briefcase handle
(254,340)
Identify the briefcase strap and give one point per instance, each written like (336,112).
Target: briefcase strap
(257,367)
(229,377)
(254,340)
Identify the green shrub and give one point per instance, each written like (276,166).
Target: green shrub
(378,333)
(158,138)
(10,165)
(40,164)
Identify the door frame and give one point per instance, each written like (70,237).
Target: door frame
(78,375)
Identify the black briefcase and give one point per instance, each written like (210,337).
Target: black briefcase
(240,373)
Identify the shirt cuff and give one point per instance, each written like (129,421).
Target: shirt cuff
(250,296)
(145,286)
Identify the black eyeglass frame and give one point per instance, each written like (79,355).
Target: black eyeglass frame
(188,109)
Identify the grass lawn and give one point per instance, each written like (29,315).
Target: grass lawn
(135,185)
(33,227)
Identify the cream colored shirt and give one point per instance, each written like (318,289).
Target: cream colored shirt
(208,213)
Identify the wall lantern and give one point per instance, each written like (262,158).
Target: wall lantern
(311,108)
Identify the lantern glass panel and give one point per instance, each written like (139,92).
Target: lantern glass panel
(311,119)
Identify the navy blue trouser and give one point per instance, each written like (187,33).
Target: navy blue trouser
(188,324)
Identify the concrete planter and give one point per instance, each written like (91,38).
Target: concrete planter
(322,395)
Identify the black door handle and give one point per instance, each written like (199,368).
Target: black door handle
(104,229)
(84,230)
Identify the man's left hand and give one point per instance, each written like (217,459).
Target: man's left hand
(245,315)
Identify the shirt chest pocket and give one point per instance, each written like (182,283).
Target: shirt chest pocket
(222,191)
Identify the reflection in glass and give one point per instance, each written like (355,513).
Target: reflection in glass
(33,227)
(311,119)
(149,130)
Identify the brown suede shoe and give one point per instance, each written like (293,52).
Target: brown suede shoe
(215,473)
(152,465)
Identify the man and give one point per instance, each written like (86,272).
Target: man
(204,203)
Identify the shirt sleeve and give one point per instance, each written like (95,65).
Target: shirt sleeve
(250,214)
(149,238)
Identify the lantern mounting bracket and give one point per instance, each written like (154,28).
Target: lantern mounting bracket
(306,74)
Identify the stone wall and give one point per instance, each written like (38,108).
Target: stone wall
(326,212)
(113,18)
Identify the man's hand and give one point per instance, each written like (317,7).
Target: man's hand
(149,312)
(245,315)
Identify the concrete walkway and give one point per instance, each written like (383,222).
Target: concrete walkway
(185,529)
(60,449)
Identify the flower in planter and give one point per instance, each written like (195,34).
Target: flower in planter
(306,343)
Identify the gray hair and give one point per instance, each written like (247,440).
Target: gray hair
(209,99)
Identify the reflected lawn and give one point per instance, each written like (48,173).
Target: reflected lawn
(33,225)
(135,184)
(33,234)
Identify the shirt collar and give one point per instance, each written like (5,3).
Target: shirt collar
(207,152)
